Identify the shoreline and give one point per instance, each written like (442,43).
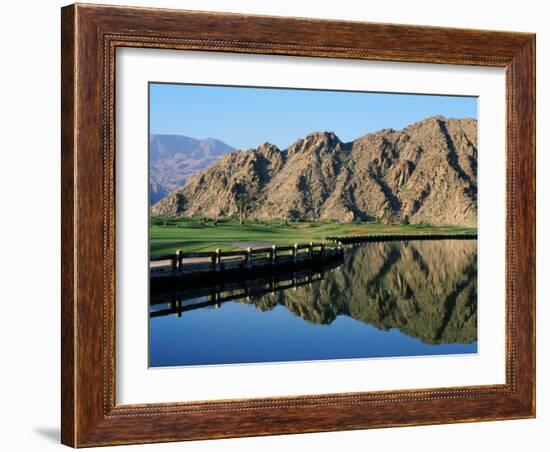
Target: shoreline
(348,240)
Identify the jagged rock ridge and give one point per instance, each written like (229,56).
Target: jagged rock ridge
(425,173)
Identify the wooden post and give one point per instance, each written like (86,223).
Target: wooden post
(213,261)
(248,258)
(175,263)
(218,260)
(180,259)
(322,249)
(295,253)
(310,251)
(273,253)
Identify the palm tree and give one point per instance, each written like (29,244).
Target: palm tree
(244,200)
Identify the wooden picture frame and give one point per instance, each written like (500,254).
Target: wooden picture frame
(90,36)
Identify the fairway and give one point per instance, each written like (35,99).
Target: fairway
(190,234)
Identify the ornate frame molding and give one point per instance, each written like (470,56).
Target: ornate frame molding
(90,37)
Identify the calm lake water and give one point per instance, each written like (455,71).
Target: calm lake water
(384,299)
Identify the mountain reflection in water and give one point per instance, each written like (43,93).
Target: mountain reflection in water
(405,298)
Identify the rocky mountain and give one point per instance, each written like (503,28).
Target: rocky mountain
(174,158)
(425,173)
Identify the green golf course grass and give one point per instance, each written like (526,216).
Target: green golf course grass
(166,235)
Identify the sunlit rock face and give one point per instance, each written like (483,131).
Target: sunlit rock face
(425,173)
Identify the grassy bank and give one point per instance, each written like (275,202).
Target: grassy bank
(189,234)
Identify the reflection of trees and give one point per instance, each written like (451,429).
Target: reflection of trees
(426,289)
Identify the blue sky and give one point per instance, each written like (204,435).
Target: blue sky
(247,117)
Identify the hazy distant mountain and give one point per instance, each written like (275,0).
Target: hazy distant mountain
(425,173)
(174,158)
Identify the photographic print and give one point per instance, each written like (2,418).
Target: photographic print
(300,225)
